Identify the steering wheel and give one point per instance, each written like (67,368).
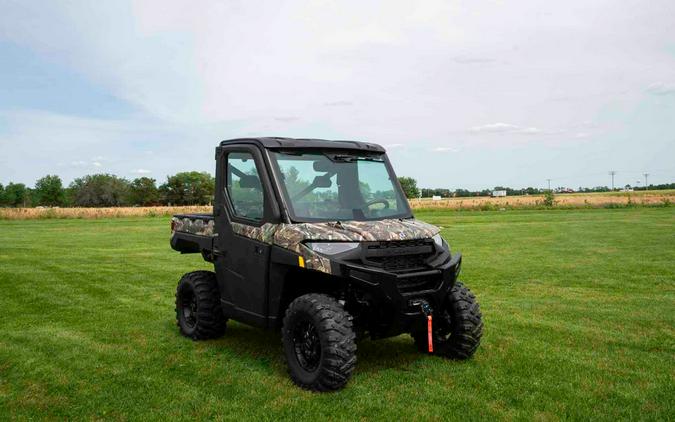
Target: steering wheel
(376,201)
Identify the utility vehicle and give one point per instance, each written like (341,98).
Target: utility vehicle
(316,238)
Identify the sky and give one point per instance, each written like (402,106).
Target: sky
(462,94)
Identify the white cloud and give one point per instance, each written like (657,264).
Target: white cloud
(473,60)
(350,70)
(286,119)
(528,131)
(385,59)
(495,127)
(660,88)
(141,171)
(445,149)
(81,164)
(504,128)
(60,141)
(341,103)
(359,35)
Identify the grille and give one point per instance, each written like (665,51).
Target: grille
(400,255)
(400,263)
(418,284)
(397,244)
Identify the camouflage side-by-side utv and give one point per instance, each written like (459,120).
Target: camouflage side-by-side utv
(317,239)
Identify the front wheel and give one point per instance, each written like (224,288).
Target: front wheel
(319,343)
(457,329)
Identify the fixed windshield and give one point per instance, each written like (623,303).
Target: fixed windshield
(339,187)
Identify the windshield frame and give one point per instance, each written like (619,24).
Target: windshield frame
(286,201)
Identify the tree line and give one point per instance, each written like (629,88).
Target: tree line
(108,190)
(192,188)
(411,190)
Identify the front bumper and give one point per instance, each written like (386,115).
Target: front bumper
(396,297)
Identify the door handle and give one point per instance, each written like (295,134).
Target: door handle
(258,250)
(219,252)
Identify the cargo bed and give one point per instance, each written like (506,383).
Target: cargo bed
(193,233)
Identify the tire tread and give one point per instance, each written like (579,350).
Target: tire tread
(333,324)
(211,322)
(466,326)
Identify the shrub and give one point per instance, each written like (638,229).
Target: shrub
(549,198)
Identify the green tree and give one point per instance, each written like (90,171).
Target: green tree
(409,186)
(2,195)
(143,191)
(549,198)
(49,191)
(366,191)
(99,190)
(188,188)
(16,195)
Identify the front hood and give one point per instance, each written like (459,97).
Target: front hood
(288,235)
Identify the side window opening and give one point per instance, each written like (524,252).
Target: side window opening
(244,187)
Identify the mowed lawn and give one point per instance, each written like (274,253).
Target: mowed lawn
(579,311)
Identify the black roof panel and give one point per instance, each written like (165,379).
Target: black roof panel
(281,143)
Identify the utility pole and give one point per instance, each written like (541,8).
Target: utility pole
(612,173)
(549,184)
(646,175)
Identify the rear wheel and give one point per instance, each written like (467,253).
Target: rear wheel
(457,329)
(318,340)
(198,312)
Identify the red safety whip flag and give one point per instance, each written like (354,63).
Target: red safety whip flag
(430,336)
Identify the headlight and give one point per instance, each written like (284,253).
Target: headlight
(332,248)
(439,240)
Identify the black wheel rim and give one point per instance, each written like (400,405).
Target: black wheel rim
(307,345)
(189,308)
(442,328)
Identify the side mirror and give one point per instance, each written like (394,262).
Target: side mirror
(322,181)
(322,166)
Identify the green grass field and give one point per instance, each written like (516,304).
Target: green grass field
(579,310)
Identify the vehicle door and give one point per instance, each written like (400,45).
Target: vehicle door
(244,210)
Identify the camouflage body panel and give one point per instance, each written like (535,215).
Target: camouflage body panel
(289,235)
(264,233)
(267,234)
(314,261)
(198,226)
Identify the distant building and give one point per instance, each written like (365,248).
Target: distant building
(436,198)
(498,193)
